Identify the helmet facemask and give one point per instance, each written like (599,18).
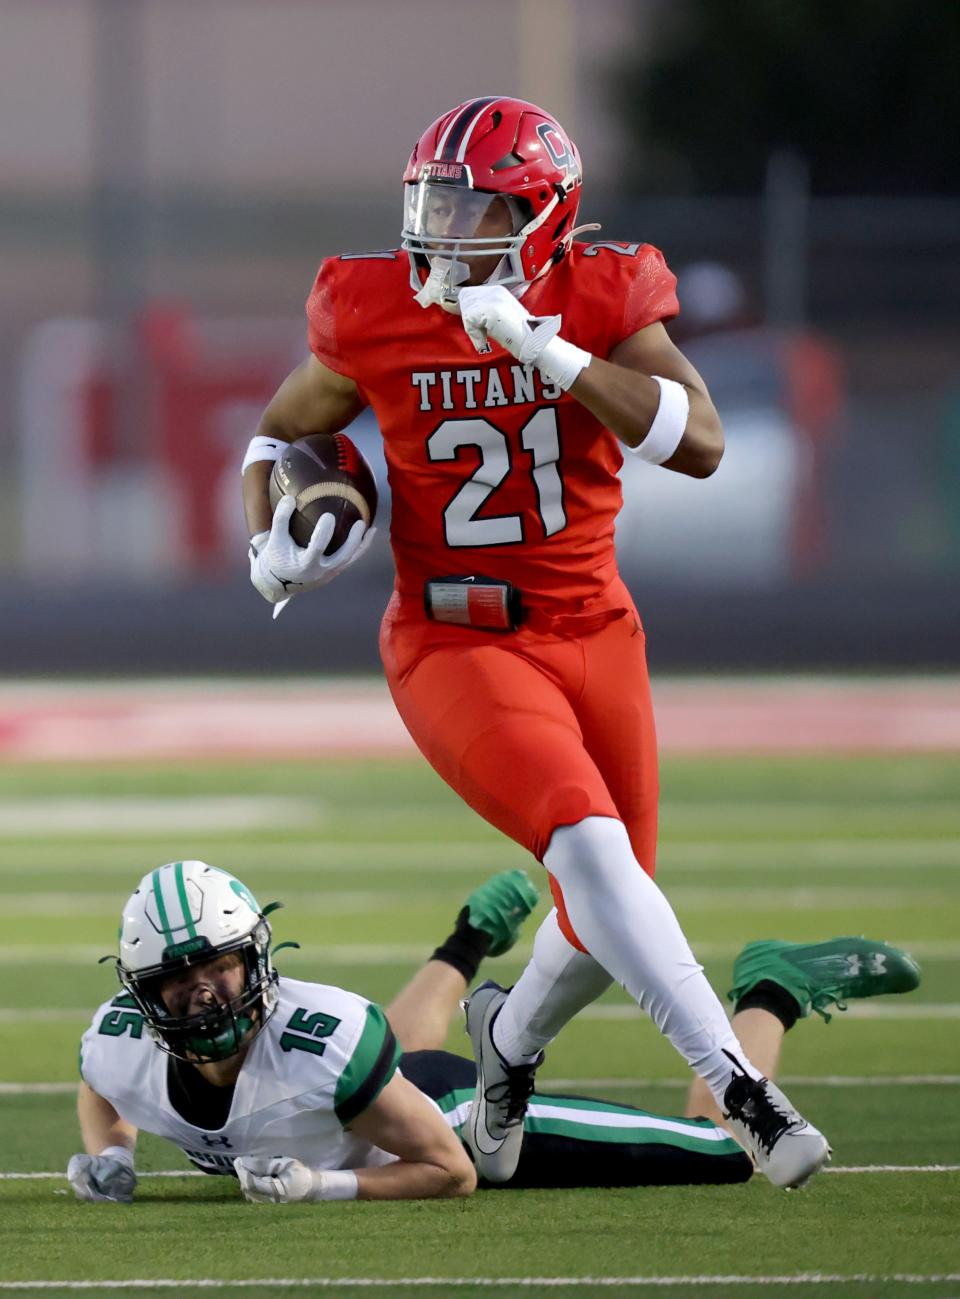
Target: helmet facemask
(449,226)
(221,1030)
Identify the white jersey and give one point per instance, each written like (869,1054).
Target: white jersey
(323,1057)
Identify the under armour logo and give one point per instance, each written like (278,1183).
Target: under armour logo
(878,962)
(216,1141)
(853,963)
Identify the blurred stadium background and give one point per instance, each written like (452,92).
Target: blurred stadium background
(171,173)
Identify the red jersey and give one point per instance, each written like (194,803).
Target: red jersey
(492,469)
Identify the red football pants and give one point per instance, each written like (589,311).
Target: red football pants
(533,731)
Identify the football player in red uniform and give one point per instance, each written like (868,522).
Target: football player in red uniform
(508,366)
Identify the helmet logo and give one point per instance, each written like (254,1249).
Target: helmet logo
(243,892)
(186,948)
(453,173)
(558,148)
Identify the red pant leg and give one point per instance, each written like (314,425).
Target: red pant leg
(501,731)
(615,712)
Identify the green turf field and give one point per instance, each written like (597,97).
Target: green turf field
(372,861)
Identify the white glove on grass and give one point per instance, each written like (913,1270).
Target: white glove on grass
(277,1181)
(107,1176)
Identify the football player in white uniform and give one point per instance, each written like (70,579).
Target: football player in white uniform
(305,1091)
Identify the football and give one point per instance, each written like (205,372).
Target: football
(327,474)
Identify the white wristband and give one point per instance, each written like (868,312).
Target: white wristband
(561,362)
(338,1185)
(669,423)
(262,448)
(120,1153)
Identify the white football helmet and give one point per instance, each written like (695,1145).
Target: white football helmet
(183,914)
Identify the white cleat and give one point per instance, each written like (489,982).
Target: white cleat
(784,1146)
(494,1128)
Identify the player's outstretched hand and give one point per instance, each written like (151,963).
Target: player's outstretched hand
(275,1181)
(490,311)
(107,1176)
(279,568)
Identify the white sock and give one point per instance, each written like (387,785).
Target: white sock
(557,983)
(624,920)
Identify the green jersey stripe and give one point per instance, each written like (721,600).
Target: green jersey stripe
(161,909)
(636,1136)
(610,1107)
(369,1069)
(582,1105)
(450,1100)
(184,900)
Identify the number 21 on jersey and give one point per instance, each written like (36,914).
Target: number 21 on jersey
(540,436)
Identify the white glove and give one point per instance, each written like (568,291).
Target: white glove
(490,311)
(276,1181)
(279,568)
(107,1176)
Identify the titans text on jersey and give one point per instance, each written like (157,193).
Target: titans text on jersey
(521,385)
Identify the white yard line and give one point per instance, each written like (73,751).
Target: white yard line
(189,1172)
(887,1168)
(614,1011)
(687,899)
(342,954)
(932,1010)
(780,854)
(540,1282)
(560,1085)
(690,898)
(38,1089)
(399,953)
(788,1080)
(46,818)
(318,856)
(329,855)
(343,902)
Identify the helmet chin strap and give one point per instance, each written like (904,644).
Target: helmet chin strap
(443,284)
(578,230)
(436,290)
(225,1043)
(447,276)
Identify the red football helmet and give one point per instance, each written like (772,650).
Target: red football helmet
(493,177)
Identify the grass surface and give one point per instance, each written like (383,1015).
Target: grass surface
(373,861)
